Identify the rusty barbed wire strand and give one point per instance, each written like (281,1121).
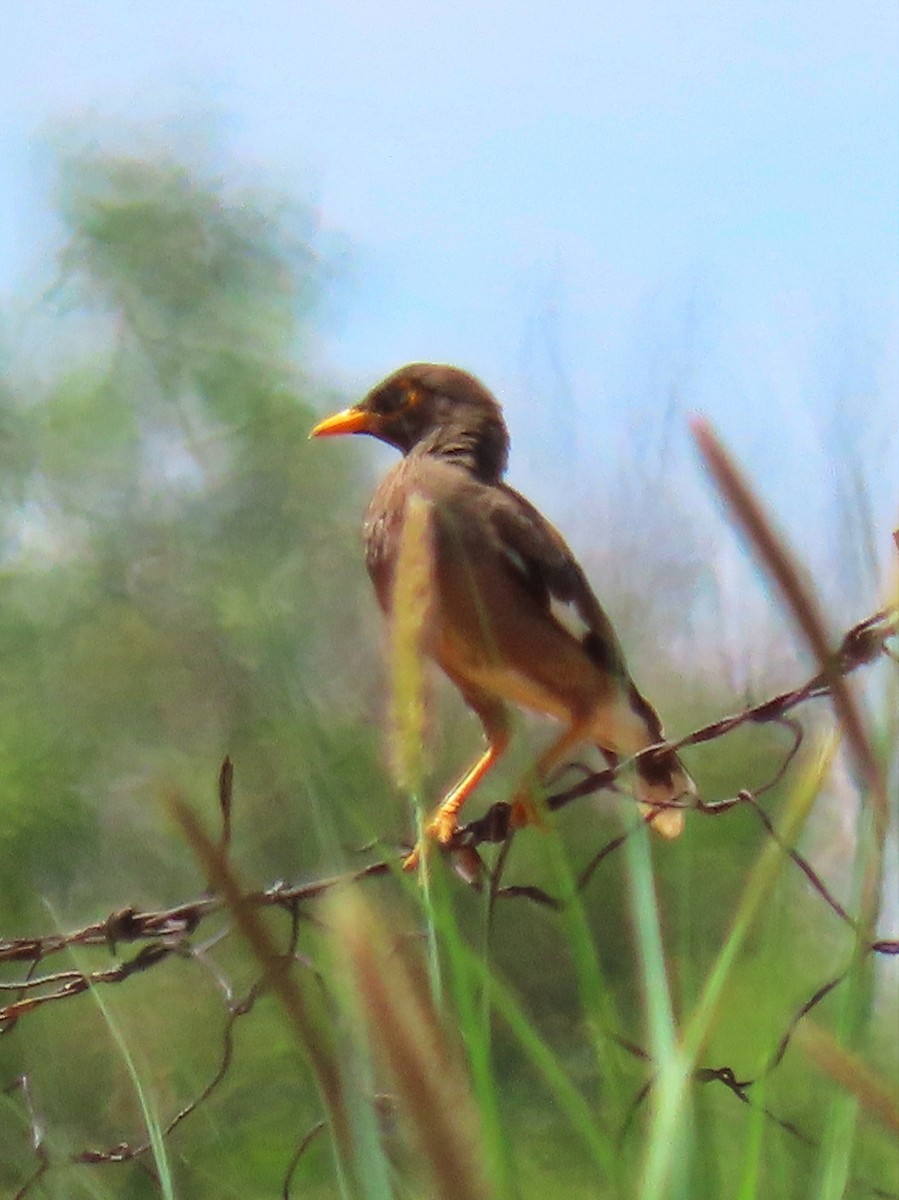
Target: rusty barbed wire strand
(741,1089)
(127,1152)
(860,646)
(124,1151)
(308,1138)
(167,932)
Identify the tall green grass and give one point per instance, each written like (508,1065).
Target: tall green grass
(469,1047)
(646,1133)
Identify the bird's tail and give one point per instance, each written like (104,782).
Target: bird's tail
(664,784)
(661,782)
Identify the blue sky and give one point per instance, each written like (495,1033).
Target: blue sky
(603,208)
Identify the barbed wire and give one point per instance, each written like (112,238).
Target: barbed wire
(170,932)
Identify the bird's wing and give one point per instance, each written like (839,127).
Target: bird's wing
(540,558)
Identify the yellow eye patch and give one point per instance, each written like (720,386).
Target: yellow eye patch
(414,395)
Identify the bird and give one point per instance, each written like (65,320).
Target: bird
(513,622)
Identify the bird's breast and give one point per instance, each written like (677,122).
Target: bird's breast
(381,536)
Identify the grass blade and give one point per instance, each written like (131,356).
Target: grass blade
(406,1035)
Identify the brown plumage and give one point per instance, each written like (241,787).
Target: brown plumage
(501,573)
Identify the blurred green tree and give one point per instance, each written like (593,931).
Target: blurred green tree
(175,556)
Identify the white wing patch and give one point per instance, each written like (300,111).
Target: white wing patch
(563,612)
(566,614)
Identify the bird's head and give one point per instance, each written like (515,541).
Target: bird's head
(431,409)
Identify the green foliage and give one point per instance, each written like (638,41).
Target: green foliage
(173,547)
(180,580)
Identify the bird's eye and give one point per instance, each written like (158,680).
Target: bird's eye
(399,399)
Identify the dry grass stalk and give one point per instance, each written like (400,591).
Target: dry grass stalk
(802,603)
(847,1070)
(312,1037)
(413,592)
(408,1039)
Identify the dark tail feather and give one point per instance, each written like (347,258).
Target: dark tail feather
(661,779)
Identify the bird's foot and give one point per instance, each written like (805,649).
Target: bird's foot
(441,828)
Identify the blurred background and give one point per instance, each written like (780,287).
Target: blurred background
(221,220)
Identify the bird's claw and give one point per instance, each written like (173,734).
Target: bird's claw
(412,859)
(441,828)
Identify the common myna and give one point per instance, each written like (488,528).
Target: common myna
(503,579)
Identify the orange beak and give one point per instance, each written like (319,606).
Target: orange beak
(351,420)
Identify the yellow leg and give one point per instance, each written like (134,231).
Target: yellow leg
(443,824)
(444,820)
